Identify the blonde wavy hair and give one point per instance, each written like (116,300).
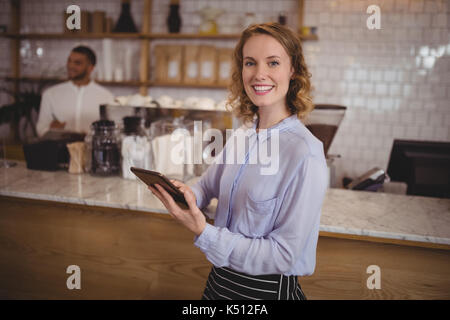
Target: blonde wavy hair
(298,98)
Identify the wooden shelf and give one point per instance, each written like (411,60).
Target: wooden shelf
(33,79)
(311,37)
(191,36)
(145,37)
(74,35)
(185,85)
(56,79)
(133,83)
(179,36)
(206,36)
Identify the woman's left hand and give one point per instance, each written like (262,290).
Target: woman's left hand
(191,218)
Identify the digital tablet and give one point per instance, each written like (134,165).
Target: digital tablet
(151,178)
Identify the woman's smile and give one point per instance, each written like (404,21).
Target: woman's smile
(261,89)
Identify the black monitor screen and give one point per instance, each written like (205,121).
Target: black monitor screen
(423,165)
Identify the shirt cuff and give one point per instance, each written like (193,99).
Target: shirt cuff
(206,240)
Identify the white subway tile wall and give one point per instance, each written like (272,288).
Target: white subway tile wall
(395,81)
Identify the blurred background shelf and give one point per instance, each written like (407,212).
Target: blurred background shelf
(133,83)
(146,36)
(180,36)
(74,35)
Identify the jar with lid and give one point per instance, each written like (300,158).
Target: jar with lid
(103,148)
(135,146)
(172,145)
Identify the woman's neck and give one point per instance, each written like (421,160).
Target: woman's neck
(269,119)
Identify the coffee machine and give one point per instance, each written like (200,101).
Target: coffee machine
(323,122)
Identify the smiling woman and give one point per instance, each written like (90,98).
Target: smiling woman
(286,57)
(266,225)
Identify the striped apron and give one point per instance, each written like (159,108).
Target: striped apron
(228,284)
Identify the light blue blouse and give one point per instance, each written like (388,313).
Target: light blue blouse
(266,223)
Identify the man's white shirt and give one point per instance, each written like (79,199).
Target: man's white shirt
(78,106)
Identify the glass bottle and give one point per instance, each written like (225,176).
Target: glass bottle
(282,18)
(125,22)
(174,19)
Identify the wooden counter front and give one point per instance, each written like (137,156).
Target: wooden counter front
(125,254)
(121,254)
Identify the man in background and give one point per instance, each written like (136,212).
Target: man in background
(73,105)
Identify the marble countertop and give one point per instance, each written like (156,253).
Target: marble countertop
(381,215)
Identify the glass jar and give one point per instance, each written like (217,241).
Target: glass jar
(172,145)
(103,147)
(135,146)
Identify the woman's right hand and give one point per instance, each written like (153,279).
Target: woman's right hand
(182,187)
(192,218)
(186,190)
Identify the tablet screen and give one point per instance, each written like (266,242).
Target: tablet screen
(152,177)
